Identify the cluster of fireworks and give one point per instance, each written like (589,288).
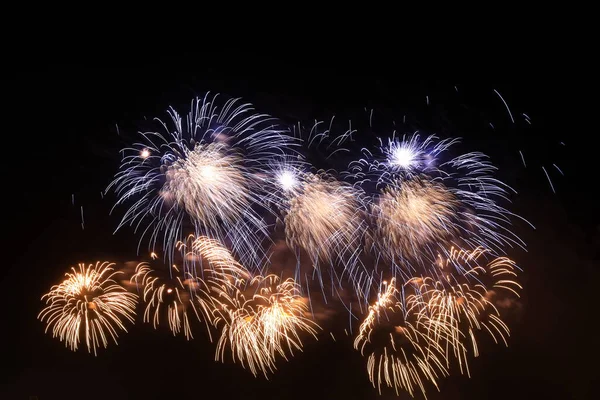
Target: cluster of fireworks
(413,234)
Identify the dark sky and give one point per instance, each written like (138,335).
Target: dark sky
(60,138)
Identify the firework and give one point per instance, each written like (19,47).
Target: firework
(326,220)
(467,301)
(413,215)
(167,295)
(285,182)
(267,323)
(402,354)
(427,199)
(401,159)
(212,264)
(224,173)
(88,302)
(412,335)
(258,317)
(202,173)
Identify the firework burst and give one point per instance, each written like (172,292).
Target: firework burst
(169,298)
(467,301)
(395,337)
(202,173)
(88,303)
(411,216)
(258,317)
(427,200)
(325,219)
(258,327)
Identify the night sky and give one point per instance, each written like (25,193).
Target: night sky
(60,138)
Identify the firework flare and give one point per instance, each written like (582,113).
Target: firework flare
(88,303)
(284,183)
(203,174)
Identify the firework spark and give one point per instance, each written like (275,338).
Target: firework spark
(88,302)
(202,173)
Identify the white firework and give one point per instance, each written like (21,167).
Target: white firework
(465,208)
(202,173)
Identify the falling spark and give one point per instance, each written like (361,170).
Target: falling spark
(549,181)
(522,158)
(559,170)
(506,105)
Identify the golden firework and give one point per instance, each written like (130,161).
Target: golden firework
(268,323)
(326,219)
(401,352)
(466,301)
(88,302)
(258,317)
(171,296)
(412,215)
